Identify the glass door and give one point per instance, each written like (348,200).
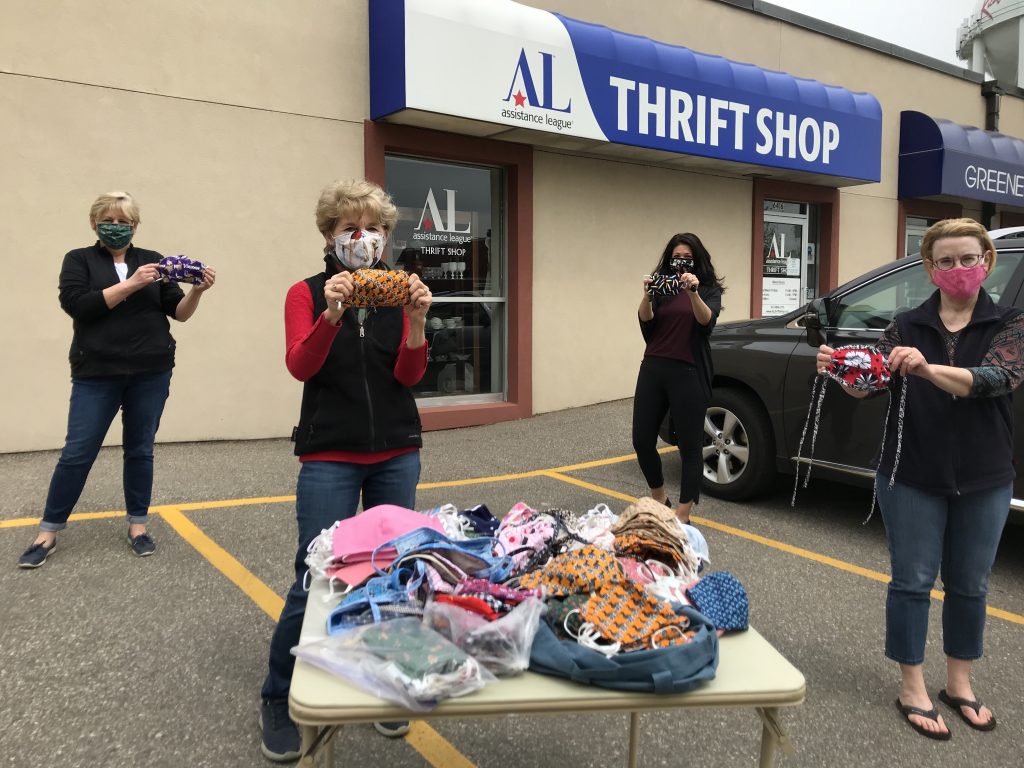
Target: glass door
(788,268)
(450,232)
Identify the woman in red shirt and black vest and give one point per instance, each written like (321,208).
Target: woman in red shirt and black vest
(359,428)
(675,375)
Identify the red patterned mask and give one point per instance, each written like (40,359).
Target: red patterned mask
(863,368)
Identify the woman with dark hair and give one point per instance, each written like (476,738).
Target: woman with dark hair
(676,321)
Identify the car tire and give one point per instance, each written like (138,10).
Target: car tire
(739,447)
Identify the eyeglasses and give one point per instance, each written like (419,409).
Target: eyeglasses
(968,260)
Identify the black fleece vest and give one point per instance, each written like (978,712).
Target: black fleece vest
(354,403)
(951,445)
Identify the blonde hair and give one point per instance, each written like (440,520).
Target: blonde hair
(122,202)
(354,196)
(940,230)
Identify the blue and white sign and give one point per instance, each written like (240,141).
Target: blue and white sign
(940,157)
(500,62)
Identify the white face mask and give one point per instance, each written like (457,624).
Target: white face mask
(359,249)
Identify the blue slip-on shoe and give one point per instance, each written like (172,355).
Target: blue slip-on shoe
(36,555)
(280,737)
(142,545)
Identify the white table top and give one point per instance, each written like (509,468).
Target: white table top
(751,673)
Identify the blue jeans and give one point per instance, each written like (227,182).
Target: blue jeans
(958,535)
(94,403)
(329,491)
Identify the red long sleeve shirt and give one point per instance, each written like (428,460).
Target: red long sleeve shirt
(307,343)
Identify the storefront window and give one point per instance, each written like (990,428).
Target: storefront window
(789,256)
(450,232)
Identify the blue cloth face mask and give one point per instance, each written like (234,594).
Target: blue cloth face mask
(115,236)
(360,249)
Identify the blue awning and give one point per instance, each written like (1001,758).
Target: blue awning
(524,70)
(940,157)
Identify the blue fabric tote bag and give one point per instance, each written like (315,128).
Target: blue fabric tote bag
(675,669)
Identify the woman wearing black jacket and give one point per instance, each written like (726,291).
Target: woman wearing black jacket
(122,353)
(946,469)
(675,375)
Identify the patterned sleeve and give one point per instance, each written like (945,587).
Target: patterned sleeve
(1002,370)
(890,339)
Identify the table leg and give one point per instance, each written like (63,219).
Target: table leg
(634,737)
(316,742)
(308,734)
(772,737)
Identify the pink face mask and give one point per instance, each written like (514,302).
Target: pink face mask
(960,283)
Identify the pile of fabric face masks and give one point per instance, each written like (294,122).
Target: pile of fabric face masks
(609,584)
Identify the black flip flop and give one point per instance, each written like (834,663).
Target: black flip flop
(930,714)
(955,702)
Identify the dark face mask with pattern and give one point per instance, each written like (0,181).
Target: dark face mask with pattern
(115,236)
(680,264)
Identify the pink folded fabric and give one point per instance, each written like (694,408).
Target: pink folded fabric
(356,538)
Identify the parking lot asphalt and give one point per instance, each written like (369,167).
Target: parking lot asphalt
(107,659)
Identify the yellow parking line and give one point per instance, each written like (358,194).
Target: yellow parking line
(23,522)
(192,506)
(435,748)
(589,486)
(221,559)
(188,506)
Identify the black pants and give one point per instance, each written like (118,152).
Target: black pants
(670,386)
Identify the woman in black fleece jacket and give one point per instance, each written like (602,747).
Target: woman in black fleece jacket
(122,353)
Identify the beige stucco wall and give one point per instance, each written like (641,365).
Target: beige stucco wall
(599,226)
(225,119)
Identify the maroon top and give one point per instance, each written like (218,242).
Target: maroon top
(672,330)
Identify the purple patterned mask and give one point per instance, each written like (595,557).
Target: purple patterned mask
(181,269)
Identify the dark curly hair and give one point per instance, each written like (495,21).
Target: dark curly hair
(702,266)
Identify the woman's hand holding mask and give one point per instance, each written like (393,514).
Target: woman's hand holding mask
(420,300)
(337,292)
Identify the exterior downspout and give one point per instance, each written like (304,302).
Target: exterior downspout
(992,92)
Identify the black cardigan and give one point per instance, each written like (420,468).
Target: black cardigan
(950,445)
(131,338)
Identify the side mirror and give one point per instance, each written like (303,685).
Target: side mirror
(815,321)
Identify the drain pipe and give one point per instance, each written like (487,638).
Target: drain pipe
(992,92)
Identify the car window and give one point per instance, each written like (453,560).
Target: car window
(873,306)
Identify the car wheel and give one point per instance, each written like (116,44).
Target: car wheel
(739,447)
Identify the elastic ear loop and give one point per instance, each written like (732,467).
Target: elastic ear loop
(332,593)
(588,636)
(899,444)
(673,589)
(816,389)
(654,566)
(681,636)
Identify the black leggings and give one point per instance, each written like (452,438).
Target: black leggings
(670,385)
